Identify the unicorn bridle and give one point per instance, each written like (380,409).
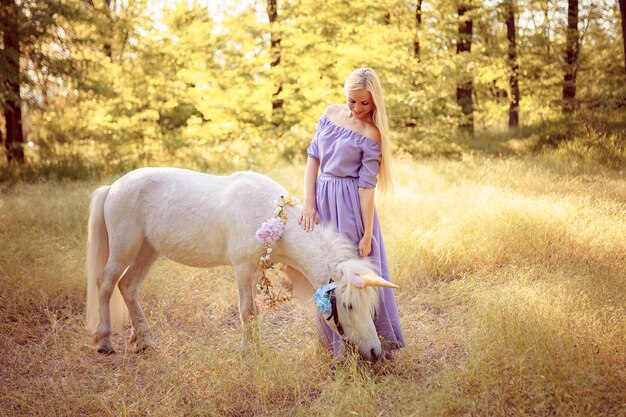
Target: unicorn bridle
(334,314)
(327,301)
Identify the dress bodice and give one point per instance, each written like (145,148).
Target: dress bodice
(345,153)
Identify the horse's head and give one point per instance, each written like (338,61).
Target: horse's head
(349,303)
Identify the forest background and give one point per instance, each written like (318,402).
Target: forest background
(95,87)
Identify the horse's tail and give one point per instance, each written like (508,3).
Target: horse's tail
(97,256)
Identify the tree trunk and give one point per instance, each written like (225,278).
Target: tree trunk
(14,143)
(107,47)
(277,102)
(418,20)
(464,88)
(513,65)
(569,81)
(622,9)
(386,18)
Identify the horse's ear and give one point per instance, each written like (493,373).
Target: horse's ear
(358,281)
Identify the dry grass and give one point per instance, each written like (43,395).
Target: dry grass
(512,302)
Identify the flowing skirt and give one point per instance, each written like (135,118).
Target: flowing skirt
(337,203)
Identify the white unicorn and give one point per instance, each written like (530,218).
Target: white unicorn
(204,221)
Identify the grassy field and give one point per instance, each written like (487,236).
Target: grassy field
(513,275)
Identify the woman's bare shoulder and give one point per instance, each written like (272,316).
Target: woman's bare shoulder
(373,133)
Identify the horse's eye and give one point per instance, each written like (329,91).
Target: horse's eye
(349,306)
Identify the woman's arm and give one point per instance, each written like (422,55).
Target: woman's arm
(366,197)
(308,216)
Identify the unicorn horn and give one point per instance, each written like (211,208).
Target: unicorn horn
(371,280)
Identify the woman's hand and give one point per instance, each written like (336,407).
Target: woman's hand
(308,217)
(365,246)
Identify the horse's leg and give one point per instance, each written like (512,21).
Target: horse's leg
(129,287)
(125,239)
(106,284)
(244,274)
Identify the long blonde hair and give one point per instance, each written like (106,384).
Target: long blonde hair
(366,79)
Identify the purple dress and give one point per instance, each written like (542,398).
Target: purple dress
(349,161)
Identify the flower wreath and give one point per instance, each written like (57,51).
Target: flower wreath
(269,233)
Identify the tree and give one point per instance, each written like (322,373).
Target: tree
(464,87)
(107,27)
(418,20)
(622,9)
(12,102)
(513,64)
(35,61)
(275,38)
(571,57)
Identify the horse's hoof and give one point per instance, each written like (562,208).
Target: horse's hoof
(143,346)
(106,350)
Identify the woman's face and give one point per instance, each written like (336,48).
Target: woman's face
(360,103)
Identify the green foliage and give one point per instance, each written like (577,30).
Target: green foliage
(189,84)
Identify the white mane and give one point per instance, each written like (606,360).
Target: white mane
(330,255)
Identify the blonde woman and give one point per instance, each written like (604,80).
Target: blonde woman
(352,149)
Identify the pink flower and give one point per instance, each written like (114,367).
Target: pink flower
(264,303)
(270,231)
